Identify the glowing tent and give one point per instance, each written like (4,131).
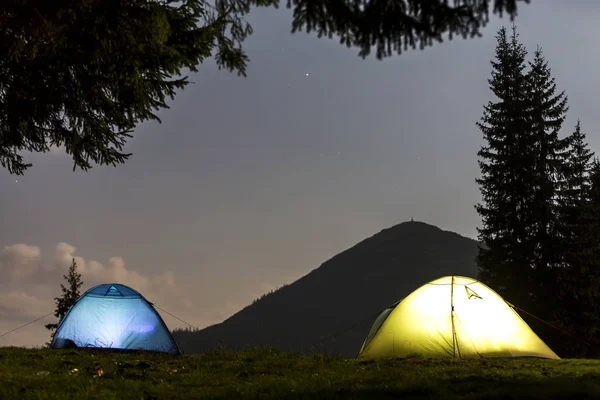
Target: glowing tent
(454,317)
(114,316)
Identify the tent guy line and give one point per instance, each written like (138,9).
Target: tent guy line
(383,315)
(348,329)
(50,313)
(177,318)
(470,294)
(24,325)
(323,339)
(555,327)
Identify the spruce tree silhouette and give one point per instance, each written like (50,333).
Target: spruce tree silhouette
(70,294)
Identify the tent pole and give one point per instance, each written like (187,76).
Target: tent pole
(452,316)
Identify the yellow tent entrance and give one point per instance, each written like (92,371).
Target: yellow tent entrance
(456,317)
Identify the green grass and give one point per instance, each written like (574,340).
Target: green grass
(270,374)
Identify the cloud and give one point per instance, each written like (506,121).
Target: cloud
(19,303)
(93,272)
(18,262)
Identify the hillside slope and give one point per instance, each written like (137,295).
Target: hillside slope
(343,296)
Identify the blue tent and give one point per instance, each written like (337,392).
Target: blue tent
(114,316)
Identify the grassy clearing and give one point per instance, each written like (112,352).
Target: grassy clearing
(270,374)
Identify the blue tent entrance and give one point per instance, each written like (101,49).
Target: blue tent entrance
(114,316)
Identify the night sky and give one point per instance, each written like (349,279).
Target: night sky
(252,182)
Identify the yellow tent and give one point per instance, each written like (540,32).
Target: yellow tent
(454,317)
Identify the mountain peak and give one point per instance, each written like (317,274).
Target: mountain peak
(343,291)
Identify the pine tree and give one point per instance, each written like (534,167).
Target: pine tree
(574,188)
(547,112)
(507,177)
(579,295)
(588,270)
(69,296)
